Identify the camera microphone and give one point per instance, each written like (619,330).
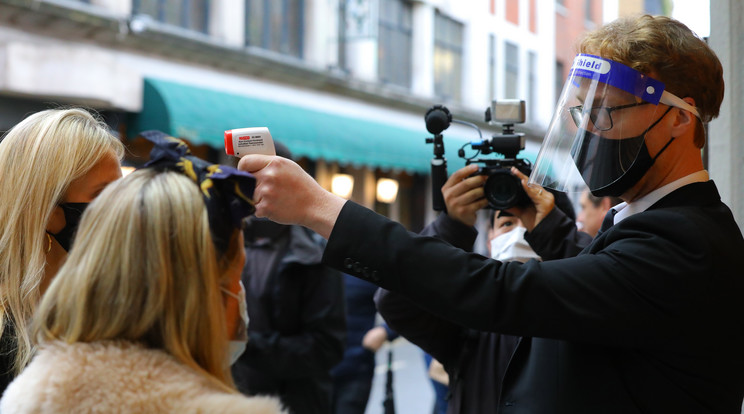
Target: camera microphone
(438,118)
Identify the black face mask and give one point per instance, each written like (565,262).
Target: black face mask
(615,165)
(73,212)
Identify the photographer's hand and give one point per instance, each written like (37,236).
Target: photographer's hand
(286,194)
(463,194)
(542,203)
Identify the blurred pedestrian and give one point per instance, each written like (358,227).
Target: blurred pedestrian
(140,317)
(296,307)
(593,211)
(52,164)
(440,388)
(352,377)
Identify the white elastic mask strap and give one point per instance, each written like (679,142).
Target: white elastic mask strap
(237,345)
(243,310)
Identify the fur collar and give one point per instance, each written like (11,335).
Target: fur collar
(116,376)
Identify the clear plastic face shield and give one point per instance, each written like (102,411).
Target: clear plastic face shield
(597,135)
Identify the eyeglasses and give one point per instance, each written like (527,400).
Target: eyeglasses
(601,116)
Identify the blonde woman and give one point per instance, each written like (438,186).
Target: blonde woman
(140,317)
(51,165)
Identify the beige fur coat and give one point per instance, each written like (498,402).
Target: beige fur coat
(119,377)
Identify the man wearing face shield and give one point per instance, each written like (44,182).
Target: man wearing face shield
(646,319)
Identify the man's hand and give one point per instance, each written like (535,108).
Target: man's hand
(542,203)
(374,338)
(463,194)
(286,194)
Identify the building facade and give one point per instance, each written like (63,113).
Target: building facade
(572,19)
(344,83)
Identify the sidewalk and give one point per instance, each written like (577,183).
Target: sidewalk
(413,391)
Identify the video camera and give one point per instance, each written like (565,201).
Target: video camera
(502,189)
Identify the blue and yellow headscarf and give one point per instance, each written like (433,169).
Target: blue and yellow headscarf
(227,192)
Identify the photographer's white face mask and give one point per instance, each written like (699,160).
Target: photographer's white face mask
(238,343)
(512,246)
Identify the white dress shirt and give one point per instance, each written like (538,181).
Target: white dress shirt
(625,210)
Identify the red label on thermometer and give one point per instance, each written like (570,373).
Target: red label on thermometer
(244,141)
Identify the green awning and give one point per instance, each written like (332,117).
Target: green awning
(202,115)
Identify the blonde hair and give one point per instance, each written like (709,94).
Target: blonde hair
(39,158)
(144,269)
(668,50)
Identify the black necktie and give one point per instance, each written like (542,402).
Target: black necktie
(608,221)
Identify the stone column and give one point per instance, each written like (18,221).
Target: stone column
(361,38)
(423,49)
(227,22)
(725,146)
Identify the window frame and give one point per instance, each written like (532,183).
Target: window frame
(287,43)
(452,47)
(511,67)
(185,18)
(401,34)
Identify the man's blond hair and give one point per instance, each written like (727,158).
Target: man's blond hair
(669,51)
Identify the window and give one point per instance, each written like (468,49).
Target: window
(531,86)
(560,7)
(188,14)
(276,25)
(588,10)
(511,71)
(342,34)
(559,78)
(655,7)
(448,36)
(491,67)
(394,42)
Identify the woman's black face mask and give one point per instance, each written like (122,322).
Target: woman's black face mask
(73,212)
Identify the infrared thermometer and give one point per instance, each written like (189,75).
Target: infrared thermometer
(244,141)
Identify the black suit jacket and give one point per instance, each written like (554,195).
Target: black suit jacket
(647,319)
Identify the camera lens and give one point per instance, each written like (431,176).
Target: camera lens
(503,190)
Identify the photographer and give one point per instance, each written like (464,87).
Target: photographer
(648,317)
(475,360)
